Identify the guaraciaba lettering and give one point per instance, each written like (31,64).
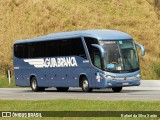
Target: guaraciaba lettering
(60,62)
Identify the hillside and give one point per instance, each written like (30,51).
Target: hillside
(21,19)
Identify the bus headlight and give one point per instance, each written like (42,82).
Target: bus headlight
(110,77)
(138,75)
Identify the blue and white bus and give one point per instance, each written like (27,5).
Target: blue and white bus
(90,59)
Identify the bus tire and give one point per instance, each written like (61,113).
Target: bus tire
(117,89)
(85,85)
(62,89)
(34,85)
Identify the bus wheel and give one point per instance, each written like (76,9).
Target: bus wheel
(85,85)
(117,89)
(62,89)
(34,85)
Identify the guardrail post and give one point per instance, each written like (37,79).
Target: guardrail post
(9,76)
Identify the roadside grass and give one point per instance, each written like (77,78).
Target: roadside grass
(156,68)
(79,105)
(4,83)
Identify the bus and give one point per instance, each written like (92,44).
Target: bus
(90,59)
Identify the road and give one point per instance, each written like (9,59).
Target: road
(128,93)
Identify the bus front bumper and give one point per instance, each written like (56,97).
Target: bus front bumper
(122,83)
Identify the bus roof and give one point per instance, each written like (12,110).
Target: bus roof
(98,34)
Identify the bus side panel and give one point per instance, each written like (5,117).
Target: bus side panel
(68,76)
(51,76)
(97,81)
(20,79)
(20,73)
(77,72)
(55,77)
(63,77)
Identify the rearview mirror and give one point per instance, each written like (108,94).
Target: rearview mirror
(100,49)
(142,48)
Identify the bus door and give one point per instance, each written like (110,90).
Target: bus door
(97,63)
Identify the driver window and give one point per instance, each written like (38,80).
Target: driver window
(96,58)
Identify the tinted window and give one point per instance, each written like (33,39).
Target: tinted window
(90,41)
(64,47)
(19,51)
(68,47)
(77,48)
(52,48)
(38,49)
(96,58)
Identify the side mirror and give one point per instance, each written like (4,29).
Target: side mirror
(142,48)
(100,49)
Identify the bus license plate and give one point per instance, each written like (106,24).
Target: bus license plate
(125,83)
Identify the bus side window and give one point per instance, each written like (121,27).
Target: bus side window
(93,52)
(96,60)
(77,48)
(30,50)
(20,51)
(64,47)
(52,48)
(90,41)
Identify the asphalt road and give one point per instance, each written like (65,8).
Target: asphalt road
(128,93)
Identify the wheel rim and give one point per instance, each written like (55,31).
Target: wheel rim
(85,84)
(34,85)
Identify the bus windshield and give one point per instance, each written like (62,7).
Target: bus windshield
(121,56)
